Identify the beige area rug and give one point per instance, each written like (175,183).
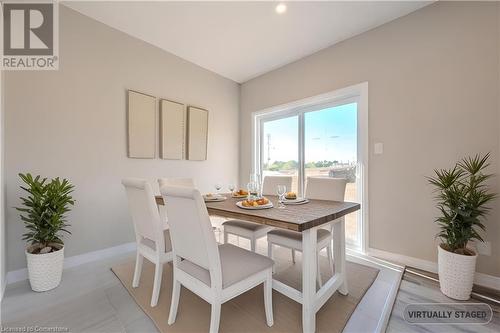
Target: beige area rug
(245,313)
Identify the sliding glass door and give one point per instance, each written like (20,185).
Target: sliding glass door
(280,149)
(330,150)
(314,141)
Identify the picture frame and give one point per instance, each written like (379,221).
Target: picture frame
(141,125)
(172,130)
(197,133)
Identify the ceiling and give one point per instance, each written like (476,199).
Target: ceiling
(242,40)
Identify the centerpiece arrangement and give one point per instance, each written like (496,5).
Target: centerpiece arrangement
(462,196)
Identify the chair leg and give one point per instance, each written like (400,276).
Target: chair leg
(176,293)
(268,299)
(318,270)
(252,244)
(215,318)
(293,256)
(270,252)
(330,258)
(157,283)
(225,236)
(138,270)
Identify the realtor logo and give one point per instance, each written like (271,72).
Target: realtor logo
(30,36)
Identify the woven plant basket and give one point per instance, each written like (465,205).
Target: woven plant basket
(456,273)
(45,270)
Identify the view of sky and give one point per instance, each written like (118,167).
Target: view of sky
(330,134)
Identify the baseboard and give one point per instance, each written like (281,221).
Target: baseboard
(379,261)
(425,265)
(480,279)
(17,275)
(486,280)
(22,274)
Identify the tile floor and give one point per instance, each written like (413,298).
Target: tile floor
(91,299)
(415,289)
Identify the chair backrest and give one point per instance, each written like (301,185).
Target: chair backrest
(186,182)
(271,183)
(142,206)
(320,188)
(190,229)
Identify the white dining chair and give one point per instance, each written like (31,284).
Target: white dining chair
(253,231)
(187,182)
(153,241)
(317,188)
(216,273)
(270,184)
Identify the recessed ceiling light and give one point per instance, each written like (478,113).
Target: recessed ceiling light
(281,8)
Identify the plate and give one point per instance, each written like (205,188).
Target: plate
(269,205)
(214,198)
(292,202)
(239,195)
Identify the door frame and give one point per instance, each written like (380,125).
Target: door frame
(356,93)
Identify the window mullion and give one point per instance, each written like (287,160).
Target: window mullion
(301,166)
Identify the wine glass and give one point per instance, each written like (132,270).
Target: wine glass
(218,186)
(257,180)
(281,190)
(251,189)
(231,187)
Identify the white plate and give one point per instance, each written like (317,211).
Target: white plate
(213,198)
(239,195)
(292,201)
(269,205)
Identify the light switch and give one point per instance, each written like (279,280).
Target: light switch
(378,148)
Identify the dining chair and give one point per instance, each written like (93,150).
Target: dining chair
(188,182)
(317,188)
(216,273)
(153,241)
(253,231)
(270,184)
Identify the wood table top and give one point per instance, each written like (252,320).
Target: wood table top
(293,217)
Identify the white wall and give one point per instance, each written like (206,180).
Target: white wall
(433,98)
(72,123)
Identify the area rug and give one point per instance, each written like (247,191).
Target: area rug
(245,313)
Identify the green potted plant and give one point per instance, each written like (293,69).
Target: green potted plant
(43,212)
(462,197)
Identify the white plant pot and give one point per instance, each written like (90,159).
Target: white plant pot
(456,273)
(45,270)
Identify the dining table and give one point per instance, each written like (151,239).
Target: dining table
(305,218)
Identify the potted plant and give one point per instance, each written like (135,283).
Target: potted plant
(43,212)
(462,196)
